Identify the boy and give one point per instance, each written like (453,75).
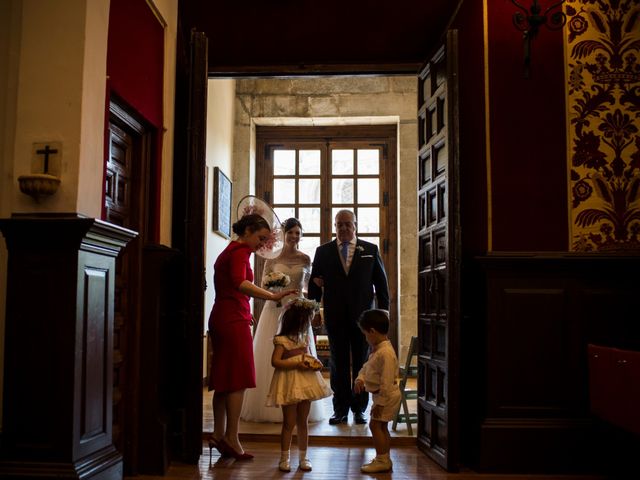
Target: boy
(378,376)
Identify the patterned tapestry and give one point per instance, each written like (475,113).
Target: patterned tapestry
(603,98)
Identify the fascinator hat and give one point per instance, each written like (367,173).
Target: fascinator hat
(251,204)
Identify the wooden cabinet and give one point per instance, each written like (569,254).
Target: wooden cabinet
(614,386)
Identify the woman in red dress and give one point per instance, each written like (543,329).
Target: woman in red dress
(232,369)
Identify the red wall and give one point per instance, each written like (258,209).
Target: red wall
(135,57)
(473,180)
(135,69)
(528,137)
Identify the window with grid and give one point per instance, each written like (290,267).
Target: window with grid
(311,173)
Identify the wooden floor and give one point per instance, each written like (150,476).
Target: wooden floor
(270,431)
(336,452)
(329,463)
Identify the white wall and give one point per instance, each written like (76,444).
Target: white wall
(10,29)
(52,89)
(220,122)
(167,10)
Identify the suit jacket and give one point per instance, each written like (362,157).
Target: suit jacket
(348,294)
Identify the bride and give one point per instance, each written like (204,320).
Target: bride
(297,265)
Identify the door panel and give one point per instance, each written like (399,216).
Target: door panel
(438,250)
(124,199)
(188,233)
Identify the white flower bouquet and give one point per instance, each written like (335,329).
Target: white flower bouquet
(275,282)
(312,362)
(276,279)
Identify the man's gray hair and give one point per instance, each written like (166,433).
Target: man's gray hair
(346,210)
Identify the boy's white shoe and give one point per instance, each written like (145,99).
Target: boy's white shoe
(305,465)
(377,465)
(284,466)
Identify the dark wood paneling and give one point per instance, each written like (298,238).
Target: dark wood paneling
(58,347)
(358,36)
(162,362)
(542,312)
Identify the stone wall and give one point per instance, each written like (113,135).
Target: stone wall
(341,101)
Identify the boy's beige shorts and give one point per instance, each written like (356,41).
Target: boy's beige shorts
(390,408)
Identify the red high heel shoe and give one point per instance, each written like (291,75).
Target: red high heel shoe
(213,443)
(223,446)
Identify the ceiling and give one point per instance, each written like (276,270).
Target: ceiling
(305,37)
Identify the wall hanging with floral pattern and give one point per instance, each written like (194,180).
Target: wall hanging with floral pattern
(603,98)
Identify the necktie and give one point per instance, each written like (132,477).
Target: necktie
(344,251)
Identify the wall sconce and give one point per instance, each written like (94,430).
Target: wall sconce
(530,21)
(38,185)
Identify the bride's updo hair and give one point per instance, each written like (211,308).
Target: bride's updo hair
(252,222)
(289,223)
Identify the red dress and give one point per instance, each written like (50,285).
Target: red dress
(232,365)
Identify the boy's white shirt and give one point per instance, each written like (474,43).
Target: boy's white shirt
(379,372)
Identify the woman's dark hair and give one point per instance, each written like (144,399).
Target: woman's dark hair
(253,222)
(376,319)
(295,321)
(289,223)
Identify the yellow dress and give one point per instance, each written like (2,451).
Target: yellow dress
(289,386)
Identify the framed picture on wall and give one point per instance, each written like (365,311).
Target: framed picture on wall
(221,203)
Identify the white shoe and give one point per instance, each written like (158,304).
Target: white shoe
(305,465)
(376,466)
(284,466)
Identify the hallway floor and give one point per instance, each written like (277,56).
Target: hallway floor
(249,430)
(329,463)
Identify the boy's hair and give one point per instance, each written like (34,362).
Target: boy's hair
(376,319)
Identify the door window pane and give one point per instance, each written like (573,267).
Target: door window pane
(369,220)
(309,162)
(308,244)
(342,190)
(368,162)
(334,211)
(285,212)
(375,240)
(368,190)
(284,190)
(284,162)
(310,220)
(309,190)
(342,162)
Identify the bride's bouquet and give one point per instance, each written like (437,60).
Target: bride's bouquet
(275,282)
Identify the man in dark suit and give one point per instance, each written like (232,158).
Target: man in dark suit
(347,274)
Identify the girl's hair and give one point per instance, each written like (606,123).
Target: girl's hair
(289,223)
(295,321)
(252,222)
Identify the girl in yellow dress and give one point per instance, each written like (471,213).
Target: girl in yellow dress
(297,380)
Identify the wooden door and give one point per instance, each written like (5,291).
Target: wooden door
(126,203)
(439,257)
(188,234)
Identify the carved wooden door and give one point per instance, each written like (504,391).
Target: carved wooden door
(126,187)
(439,256)
(117,205)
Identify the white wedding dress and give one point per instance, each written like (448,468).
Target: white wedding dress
(254,407)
